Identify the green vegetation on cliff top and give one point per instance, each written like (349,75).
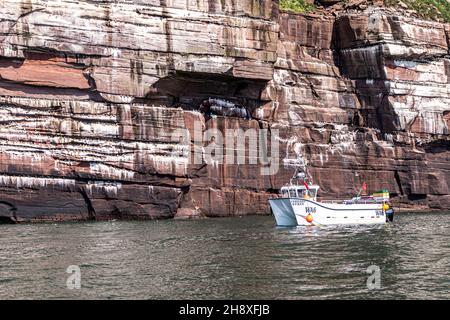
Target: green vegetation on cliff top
(437,10)
(429,9)
(298,6)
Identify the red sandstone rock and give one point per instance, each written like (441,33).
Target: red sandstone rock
(92,105)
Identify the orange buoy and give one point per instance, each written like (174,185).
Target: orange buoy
(309,218)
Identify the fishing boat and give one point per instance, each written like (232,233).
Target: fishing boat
(298,205)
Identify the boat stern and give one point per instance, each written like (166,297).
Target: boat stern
(390,215)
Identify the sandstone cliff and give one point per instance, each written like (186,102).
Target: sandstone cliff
(91,93)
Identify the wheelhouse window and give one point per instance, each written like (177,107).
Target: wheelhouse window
(292,193)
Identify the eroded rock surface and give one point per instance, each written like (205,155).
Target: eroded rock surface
(92,94)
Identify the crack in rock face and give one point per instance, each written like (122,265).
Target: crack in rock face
(94,96)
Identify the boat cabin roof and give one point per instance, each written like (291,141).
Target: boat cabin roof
(299,187)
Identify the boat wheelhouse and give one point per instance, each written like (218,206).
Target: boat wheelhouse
(299,191)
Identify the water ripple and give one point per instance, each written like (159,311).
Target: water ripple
(230,258)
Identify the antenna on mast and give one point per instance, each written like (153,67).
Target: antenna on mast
(301,168)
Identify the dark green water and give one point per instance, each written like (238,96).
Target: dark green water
(231,258)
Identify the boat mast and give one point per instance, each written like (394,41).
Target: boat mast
(301,169)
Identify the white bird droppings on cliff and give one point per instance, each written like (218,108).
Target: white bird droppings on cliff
(110,188)
(110,171)
(35,182)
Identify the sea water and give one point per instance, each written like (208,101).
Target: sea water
(226,258)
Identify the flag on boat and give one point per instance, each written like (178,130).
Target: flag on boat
(381,195)
(306,185)
(364,186)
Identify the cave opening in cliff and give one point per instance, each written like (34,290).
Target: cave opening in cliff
(209,93)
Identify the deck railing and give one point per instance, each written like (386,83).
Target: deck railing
(351,201)
(347,201)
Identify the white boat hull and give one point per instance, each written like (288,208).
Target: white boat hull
(326,213)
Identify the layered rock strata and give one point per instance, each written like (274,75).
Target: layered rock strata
(94,96)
